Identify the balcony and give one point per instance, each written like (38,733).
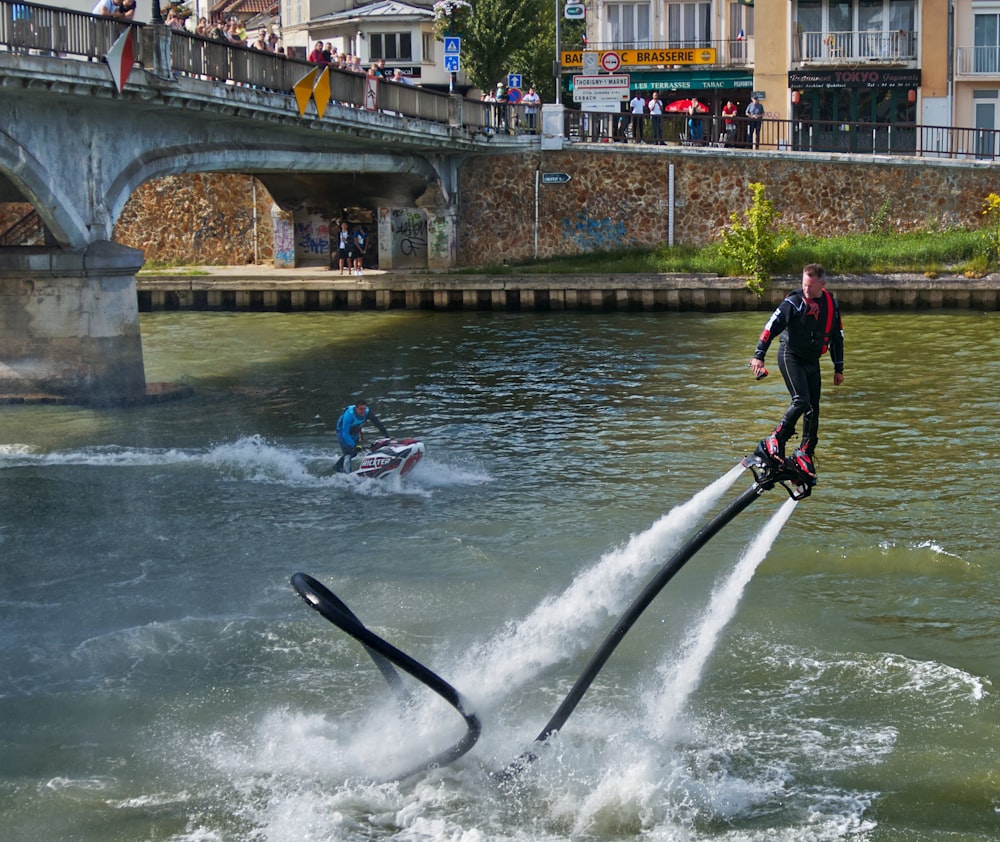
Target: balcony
(733,52)
(981,63)
(878,47)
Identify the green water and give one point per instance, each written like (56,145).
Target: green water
(159,679)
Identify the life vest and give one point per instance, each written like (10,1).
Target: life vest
(829,322)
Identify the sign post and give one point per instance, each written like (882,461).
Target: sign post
(452,62)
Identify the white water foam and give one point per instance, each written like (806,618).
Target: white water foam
(556,629)
(682,675)
(255,459)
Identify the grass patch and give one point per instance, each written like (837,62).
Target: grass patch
(921,252)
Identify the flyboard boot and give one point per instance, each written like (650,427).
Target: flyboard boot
(772,449)
(803,458)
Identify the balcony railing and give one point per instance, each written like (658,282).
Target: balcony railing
(977,61)
(897,45)
(732,52)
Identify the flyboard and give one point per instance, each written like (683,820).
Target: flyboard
(767,473)
(389,457)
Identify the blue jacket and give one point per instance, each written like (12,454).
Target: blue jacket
(350,424)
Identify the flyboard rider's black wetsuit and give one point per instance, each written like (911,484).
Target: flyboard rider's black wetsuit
(808,328)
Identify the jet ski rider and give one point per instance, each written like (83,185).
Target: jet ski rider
(809,323)
(349,432)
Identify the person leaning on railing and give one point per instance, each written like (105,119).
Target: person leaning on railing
(123,10)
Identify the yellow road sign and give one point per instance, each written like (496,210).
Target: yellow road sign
(321,91)
(303,90)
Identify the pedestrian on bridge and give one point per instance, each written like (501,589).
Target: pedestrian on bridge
(123,10)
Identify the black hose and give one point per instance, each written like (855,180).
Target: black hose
(384,654)
(633,612)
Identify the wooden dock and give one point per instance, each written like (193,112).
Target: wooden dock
(263,289)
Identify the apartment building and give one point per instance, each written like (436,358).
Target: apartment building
(400,33)
(891,62)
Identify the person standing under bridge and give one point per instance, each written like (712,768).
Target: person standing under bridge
(808,321)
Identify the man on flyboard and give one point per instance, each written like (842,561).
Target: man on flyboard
(808,321)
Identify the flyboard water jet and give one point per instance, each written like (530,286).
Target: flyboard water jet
(767,473)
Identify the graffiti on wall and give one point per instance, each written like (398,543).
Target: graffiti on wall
(409,238)
(284,240)
(591,234)
(312,238)
(218,225)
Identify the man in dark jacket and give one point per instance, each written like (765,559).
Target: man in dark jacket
(808,321)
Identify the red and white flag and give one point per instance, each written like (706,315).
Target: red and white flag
(121,57)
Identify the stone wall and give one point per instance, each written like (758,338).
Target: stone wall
(616,197)
(214,219)
(620,197)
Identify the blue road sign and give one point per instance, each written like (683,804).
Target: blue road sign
(513,80)
(452,45)
(451,64)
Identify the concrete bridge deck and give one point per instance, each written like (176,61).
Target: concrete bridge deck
(263,288)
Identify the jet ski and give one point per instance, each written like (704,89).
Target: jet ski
(389,457)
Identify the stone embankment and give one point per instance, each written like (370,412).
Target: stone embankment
(262,288)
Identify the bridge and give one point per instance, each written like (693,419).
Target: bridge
(75,143)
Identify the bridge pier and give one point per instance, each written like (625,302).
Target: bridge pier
(69,324)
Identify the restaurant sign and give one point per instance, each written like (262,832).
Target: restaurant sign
(854,78)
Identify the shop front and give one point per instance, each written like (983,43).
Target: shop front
(854,110)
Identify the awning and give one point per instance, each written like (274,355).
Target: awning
(690,80)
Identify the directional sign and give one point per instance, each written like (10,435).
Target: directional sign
(452,64)
(555,177)
(611,61)
(452,45)
(513,80)
(612,89)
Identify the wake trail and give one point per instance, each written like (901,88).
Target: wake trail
(555,630)
(682,676)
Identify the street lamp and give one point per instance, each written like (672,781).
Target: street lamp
(157,16)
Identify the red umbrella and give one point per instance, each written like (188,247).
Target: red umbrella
(680,106)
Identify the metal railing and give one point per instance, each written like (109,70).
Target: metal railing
(977,61)
(865,45)
(29,28)
(825,136)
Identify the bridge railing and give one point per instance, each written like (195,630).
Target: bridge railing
(46,31)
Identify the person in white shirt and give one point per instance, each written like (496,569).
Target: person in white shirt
(655,107)
(638,108)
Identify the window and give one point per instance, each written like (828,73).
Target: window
(427,46)
(689,24)
(391,46)
(986,43)
(628,24)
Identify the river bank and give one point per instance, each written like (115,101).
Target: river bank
(264,288)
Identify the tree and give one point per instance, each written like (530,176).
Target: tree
(491,34)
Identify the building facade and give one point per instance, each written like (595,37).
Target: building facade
(398,33)
(895,63)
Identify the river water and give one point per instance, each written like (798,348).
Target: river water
(822,670)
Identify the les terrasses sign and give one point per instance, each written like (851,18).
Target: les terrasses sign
(854,79)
